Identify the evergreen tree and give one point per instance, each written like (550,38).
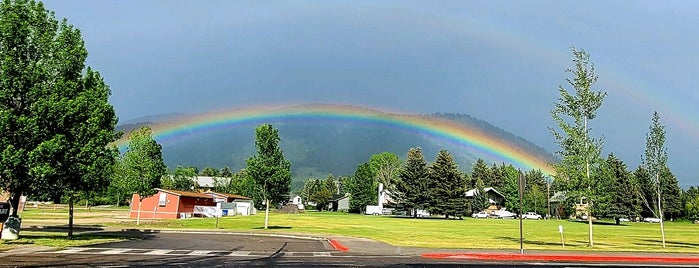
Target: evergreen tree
(480,200)
(268,168)
(448,193)
(496,179)
(535,197)
(414,182)
(645,192)
(579,151)
(671,195)
(624,203)
(480,171)
(363,189)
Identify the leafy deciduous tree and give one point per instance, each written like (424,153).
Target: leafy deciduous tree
(143,166)
(268,168)
(55,116)
(579,151)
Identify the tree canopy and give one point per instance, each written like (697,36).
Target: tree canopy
(54,111)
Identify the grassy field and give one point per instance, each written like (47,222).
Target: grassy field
(430,233)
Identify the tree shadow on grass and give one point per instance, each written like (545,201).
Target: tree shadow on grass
(606,223)
(657,242)
(63,228)
(274,227)
(545,243)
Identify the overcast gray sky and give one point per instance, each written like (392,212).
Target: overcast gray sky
(500,61)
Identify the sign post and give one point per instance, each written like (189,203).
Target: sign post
(560,230)
(4,214)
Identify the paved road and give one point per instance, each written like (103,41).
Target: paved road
(239,250)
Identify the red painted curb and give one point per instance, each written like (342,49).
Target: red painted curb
(337,245)
(562,258)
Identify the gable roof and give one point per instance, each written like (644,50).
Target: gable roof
(234,196)
(338,197)
(184,193)
(473,192)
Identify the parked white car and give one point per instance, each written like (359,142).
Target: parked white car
(652,220)
(531,216)
(504,214)
(481,215)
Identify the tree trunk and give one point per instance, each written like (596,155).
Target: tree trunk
(587,172)
(138,218)
(660,211)
(266,213)
(14,202)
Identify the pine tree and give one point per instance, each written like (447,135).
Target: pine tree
(414,182)
(624,203)
(363,189)
(448,194)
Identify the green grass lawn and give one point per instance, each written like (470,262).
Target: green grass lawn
(432,233)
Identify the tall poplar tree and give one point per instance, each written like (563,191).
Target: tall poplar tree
(268,168)
(54,111)
(580,152)
(655,162)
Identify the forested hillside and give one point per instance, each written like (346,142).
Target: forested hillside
(317,149)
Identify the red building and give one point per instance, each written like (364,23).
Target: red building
(171,204)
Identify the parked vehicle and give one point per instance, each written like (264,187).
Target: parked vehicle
(481,215)
(504,214)
(624,220)
(531,216)
(652,220)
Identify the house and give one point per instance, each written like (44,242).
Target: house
(208,183)
(340,203)
(495,198)
(172,204)
(296,200)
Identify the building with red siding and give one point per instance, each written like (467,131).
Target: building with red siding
(172,204)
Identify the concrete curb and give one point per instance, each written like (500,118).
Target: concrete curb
(564,258)
(337,245)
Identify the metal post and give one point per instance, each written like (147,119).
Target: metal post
(521,194)
(70,217)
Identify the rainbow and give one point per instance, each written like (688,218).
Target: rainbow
(456,133)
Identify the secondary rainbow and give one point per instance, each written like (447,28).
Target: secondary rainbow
(471,138)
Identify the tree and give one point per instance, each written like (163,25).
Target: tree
(579,152)
(268,168)
(655,162)
(449,187)
(184,179)
(481,171)
(535,196)
(624,203)
(143,165)
(226,172)
(480,198)
(387,167)
(691,203)
(210,172)
(244,185)
(55,114)
(414,183)
(363,189)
